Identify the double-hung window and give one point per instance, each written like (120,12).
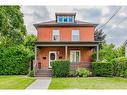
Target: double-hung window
(75,56)
(75,35)
(55,35)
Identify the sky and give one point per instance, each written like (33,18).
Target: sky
(116,32)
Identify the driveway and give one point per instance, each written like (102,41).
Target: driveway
(40,83)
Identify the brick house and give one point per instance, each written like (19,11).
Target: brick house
(64,38)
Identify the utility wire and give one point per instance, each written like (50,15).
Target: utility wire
(122,21)
(116,12)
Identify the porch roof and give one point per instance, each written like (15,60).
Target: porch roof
(67,43)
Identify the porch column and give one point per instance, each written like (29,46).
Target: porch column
(35,53)
(66,52)
(97,53)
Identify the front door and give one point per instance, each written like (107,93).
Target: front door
(52,57)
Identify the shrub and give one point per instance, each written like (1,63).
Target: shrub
(31,73)
(102,68)
(14,60)
(83,72)
(60,68)
(72,73)
(119,66)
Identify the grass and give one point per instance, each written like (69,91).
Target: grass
(15,82)
(89,83)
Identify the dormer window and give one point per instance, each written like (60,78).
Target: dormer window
(70,19)
(60,19)
(65,17)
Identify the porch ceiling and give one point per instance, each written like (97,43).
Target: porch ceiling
(67,43)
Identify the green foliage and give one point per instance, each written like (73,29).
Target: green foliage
(107,52)
(99,35)
(31,73)
(29,41)
(60,68)
(121,51)
(72,73)
(102,69)
(119,66)
(12,28)
(14,60)
(83,72)
(16,48)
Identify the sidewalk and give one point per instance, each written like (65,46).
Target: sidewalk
(40,83)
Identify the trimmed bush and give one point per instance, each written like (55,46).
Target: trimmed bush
(119,67)
(60,68)
(102,69)
(14,60)
(83,72)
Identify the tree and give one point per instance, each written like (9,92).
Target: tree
(107,52)
(99,35)
(121,51)
(29,41)
(12,28)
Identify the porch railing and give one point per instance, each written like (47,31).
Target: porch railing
(76,65)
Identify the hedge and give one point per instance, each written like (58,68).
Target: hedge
(102,69)
(60,68)
(120,67)
(14,60)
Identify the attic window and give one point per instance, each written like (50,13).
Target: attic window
(70,18)
(65,19)
(60,19)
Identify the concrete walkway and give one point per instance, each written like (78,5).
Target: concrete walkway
(40,83)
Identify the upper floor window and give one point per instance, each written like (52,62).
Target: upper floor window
(60,19)
(75,35)
(70,19)
(56,35)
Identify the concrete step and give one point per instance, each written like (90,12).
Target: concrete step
(43,73)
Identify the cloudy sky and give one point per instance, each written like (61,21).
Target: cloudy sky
(116,29)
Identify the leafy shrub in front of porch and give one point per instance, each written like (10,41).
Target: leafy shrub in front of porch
(120,67)
(102,69)
(83,72)
(60,68)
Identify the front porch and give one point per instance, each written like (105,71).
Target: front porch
(79,54)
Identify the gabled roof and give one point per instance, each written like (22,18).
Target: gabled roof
(54,23)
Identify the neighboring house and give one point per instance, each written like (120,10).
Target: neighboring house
(64,38)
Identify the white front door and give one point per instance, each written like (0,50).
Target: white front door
(52,57)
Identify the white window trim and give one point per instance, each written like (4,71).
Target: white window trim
(53,35)
(75,51)
(67,19)
(72,35)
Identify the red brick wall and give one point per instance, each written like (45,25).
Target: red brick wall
(44,52)
(45,34)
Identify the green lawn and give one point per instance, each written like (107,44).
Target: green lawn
(89,83)
(15,82)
